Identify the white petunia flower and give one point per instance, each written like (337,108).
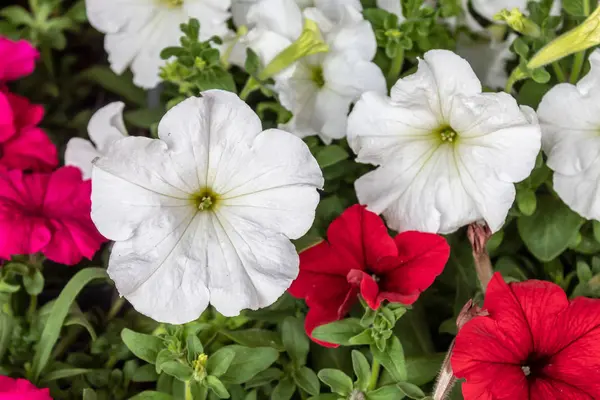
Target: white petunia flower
(489,8)
(206,212)
(138,30)
(448,154)
(105,127)
(570,120)
(320,88)
(487,57)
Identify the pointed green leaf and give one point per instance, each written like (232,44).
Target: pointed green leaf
(295,341)
(307,380)
(145,347)
(219,362)
(338,381)
(362,369)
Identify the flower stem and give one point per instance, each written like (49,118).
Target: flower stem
(375,369)
(395,68)
(32,307)
(577,66)
(115,308)
(558,71)
(250,86)
(188,391)
(446,379)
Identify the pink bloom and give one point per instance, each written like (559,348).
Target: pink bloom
(21,389)
(47,213)
(23,145)
(17,59)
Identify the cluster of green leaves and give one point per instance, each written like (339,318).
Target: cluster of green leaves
(195,65)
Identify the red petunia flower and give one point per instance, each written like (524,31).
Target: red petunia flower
(359,256)
(535,344)
(47,213)
(21,389)
(18,59)
(23,145)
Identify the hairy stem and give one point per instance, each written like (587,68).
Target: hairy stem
(375,369)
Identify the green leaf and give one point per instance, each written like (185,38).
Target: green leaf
(362,369)
(550,230)
(17,15)
(248,362)
(252,64)
(81,320)
(574,7)
(89,394)
(295,341)
(255,338)
(151,395)
(410,390)
(264,377)
(219,362)
(526,201)
(307,380)
(145,373)
(121,85)
(59,312)
(338,332)
(284,390)
(531,93)
(386,393)
(584,272)
(177,370)
(64,373)
(392,359)
(194,347)
(331,155)
(217,387)
(338,381)
(145,347)
(143,117)
(34,283)
(7,324)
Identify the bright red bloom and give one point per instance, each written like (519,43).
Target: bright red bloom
(23,145)
(17,59)
(360,256)
(47,213)
(535,344)
(21,389)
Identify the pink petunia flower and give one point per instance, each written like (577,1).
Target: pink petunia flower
(23,145)
(47,213)
(18,59)
(21,389)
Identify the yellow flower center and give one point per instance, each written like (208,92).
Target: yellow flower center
(446,134)
(317,76)
(205,200)
(172,3)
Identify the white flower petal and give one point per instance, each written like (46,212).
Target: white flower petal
(488,8)
(253,266)
(114,16)
(239,11)
(106,125)
(283,17)
(80,153)
(580,191)
(162,269)
(334,9)
(376,121)
(351,76)
(137,177)
(392,6)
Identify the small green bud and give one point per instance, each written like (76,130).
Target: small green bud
(519,22)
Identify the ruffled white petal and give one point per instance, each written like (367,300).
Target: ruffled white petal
(334,9)
(171,259)
(282,17)
(392,6)
(488,8)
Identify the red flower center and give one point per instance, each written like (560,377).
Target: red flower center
(534,366)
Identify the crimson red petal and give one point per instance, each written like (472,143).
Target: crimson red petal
(360,238)
(368,287)
(421,258)
(507,383)
(29,149)
(546,389)
(573,345)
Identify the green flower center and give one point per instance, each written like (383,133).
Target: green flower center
(447,134)
(206,200)
(172,3)
(317,76)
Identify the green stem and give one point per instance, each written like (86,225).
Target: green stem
(395,68)
(577,66)
(250,86)
(375,369)
(66,342)
(558,72)
(115,308)
(188,391)
(32,307)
